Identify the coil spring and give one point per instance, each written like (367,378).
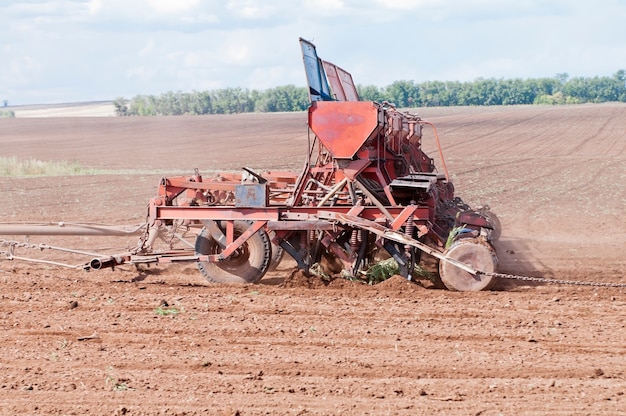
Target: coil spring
(354,240)
(409,229)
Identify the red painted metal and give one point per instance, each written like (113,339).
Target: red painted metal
(343,127)
(341,82)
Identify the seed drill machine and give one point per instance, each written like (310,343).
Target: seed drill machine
(367,190)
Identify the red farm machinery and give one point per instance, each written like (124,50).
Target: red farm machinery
(367,188)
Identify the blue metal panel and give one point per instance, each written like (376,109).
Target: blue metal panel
(251,195)
(315,75)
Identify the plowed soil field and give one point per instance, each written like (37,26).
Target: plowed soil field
(162,341)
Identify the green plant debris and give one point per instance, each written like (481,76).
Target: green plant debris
(318,270)
(117,384)
(166,311)
(453,235)
(383,270)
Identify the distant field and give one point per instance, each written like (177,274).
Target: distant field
(88,109)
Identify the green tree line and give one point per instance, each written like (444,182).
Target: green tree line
(560,89)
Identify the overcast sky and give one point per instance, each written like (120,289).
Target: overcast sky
(87,50)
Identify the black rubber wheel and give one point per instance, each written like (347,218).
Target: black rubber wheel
(247,264)
(277,254)
(474,252)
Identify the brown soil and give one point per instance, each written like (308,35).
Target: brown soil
(162,341)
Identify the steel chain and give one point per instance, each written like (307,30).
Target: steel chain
(10,254)
(17,244)
(554,281)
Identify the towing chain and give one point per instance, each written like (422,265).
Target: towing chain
(553,281)
(12,245)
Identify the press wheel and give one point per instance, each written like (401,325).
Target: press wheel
(247,264)
(476,253)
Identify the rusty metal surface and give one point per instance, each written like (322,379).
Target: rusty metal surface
(343,127)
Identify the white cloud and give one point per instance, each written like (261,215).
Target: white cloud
(23,70)
(172,6)
(328,4)
(412,4)
(147,50)
(269,77)
(325,7)
(236,53)
(141,13)
(250,9)
(94,6)
(142,73)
